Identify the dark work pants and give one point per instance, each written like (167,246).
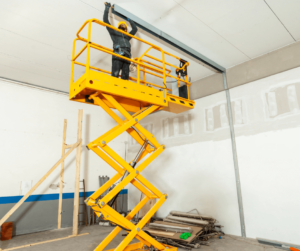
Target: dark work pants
(117,66)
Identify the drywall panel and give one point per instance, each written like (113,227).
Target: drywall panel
(253,28)
(196,169)
(211,10)
(34,68)
(148,10)
(272,63)
(206,86)
(267,149)
(30,77)
(191,31)
(281,60)
(31,135)
(38,58)
(288,13)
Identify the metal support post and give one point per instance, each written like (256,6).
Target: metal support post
(235,159)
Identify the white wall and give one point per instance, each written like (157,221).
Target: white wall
(31,139)
(197,171)
(268,152)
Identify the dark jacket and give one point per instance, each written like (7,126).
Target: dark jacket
(118,38)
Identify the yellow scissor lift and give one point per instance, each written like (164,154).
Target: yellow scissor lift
(142,98)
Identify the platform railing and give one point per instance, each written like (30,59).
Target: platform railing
(142,65)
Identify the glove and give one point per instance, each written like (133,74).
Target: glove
(107,4)
(128,19)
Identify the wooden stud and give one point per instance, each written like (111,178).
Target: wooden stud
(147,207)
(68,146)
(77,175)
(61,176)
(161,232)
(16,206)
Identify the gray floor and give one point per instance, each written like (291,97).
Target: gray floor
(98,233)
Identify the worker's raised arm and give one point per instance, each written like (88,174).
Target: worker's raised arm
(105,17)
(133,26)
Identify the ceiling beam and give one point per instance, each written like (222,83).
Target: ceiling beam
(208,63)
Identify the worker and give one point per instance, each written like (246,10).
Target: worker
(121,45)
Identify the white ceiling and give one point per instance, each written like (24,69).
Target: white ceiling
(37,35)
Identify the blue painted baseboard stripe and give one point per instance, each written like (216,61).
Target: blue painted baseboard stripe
(44,197)
(124,191)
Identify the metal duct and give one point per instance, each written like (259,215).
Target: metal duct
(195,216)
(170,228)
(188,220)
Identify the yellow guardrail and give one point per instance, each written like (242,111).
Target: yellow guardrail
(142,65)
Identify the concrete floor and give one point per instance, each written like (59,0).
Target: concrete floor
(98,233)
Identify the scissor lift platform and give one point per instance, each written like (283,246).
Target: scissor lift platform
(132,96)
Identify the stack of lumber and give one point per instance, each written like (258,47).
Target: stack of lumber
(168,231)
(204,221)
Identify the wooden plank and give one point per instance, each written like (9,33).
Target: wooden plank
(145,209)
(61,176)
(68,146)
(16,206)
(77,175)
(43,242)
(161,232)
(194,234)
